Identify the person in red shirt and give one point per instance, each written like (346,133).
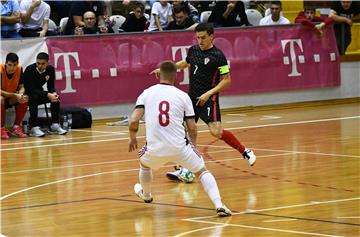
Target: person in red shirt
(12,93)
(309,19)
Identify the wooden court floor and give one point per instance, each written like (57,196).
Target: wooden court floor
(305,182)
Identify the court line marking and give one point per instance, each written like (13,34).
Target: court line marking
(295,152)
(97,131)
(348,217)
(264,228)
(130,160)
(60,139)
(202,131)
(238,115)
(280,220)
(201,229)
(312,203)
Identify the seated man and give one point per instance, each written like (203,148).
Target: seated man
(225,14)
(77,10)
(182,20)
(35,76)
(12,93)
(90,27)
(193,12)
(275,18)
(308,18)
(35,17)
(10,15)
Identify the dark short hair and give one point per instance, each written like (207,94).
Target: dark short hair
(43,56)
(134,5)
(168,67)
(309,8)
(180,8)
(12,57)
(208,27)
(278,3)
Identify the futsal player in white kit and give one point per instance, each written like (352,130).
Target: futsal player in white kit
(166,108)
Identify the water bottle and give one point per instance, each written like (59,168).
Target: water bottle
(65,123)
(69,118)
(25,127)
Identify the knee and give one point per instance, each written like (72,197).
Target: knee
(216,132)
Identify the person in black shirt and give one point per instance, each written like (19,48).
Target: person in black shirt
(344,13)
(77,10)
(182,19)
(90,25)
(35,76)
(136,21)
(225,13)
(209,75)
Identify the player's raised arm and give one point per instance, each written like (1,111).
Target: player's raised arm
(179,65)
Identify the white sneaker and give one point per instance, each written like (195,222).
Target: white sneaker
(36,132)
(223,211)
(139,192)
(249,156)
(56,129)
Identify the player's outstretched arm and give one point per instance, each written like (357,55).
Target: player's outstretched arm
(181,64)
(134,127)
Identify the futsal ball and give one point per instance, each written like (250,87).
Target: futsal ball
(186,175)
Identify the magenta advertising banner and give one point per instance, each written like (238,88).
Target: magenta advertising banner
(97,70)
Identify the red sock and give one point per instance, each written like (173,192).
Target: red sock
(20,113)
(2,115)
(232,141)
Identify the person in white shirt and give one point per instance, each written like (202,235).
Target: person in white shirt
(165,108)
(276,17)
(161,15)
(35,16)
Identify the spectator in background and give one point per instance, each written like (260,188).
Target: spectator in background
(182,19)
(161,15)
(89,27)
(193,12)
(77,10)
(225,14)
(12,93)
(59,10)
(308,18)
(136,21)
(35,77)
(275,18)
(35,15)
(10,15)
(344,13)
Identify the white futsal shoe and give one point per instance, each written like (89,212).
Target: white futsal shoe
(249,156)
(139,192)
(223,211)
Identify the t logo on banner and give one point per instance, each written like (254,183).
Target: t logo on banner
(67,69)
(293,61)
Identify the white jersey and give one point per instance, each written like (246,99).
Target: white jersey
(268,21)
(166,107)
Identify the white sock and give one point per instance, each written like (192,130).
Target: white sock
(209,184)
(145,176)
